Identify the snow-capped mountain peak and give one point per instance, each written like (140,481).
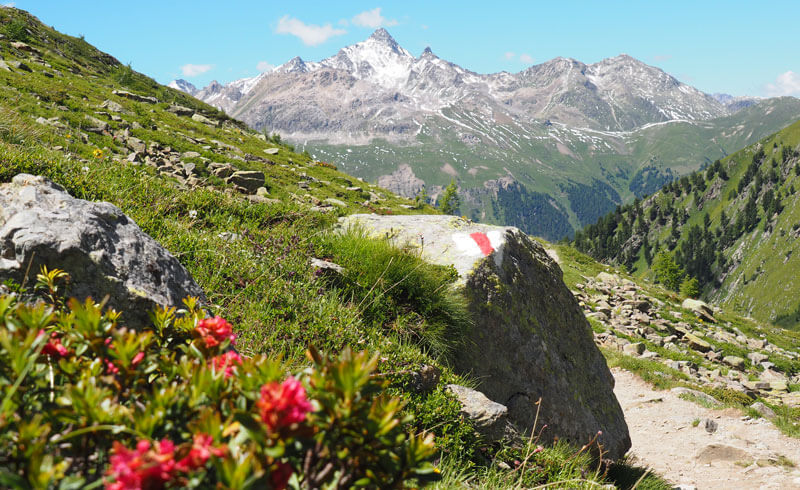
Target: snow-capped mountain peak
(379,59)
(294,65)
(183,86)
(376,88)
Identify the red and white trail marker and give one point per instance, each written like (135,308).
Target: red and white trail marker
(478,243)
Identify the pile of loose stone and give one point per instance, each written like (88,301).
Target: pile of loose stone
(626,310)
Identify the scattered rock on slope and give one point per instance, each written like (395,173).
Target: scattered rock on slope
(103,250)
(530,339)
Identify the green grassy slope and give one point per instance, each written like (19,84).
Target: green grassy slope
(748,262)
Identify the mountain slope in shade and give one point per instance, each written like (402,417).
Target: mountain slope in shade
(583,138)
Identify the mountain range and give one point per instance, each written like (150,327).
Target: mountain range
(548,149)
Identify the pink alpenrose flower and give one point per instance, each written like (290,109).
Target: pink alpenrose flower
(283,404)
(214,331)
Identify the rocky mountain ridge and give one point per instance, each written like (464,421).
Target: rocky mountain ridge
(615,94)
(559,128)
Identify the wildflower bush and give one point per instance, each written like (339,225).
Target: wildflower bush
(88,402)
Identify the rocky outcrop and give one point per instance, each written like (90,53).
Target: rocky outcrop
(402,181)
(104,251)
(530,347)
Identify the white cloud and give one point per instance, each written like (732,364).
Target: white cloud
(373,19)
(263,66)
(310,34)
(786,84)
(512,56)
(190,70)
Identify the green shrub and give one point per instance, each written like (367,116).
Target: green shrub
(16,30)
(87,400)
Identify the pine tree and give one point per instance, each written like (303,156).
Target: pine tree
(667,271)
(422,197)
(450,201)
(690,287)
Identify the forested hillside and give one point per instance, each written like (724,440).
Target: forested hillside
(730,226)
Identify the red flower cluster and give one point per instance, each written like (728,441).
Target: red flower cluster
(53,348)
(226,362)
(146,467)
(215,330)
(201,451)
(283,404)
(142,467)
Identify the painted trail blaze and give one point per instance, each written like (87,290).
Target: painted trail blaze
(483,242)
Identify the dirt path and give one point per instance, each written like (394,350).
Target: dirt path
(739,454)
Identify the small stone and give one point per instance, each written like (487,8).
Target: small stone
(696,394)
(598,315)
(335,202)
(735,362)
(757,357)
(179,110)
(635,349)
(221,170)
(190,154)
(112,106)
(609,279)
(203,119)
(271,151)
(763,410)
(756,385)
(136,97)
(20,65)
(426,378)
(489,418)
(97,124)
(699,308)
(697,343)
(778,386)
(249,180)
(326,266)
(710,426)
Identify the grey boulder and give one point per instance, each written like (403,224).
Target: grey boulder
(530,340)
(249,180)
(104,251)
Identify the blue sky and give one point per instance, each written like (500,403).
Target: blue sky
(736,47)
